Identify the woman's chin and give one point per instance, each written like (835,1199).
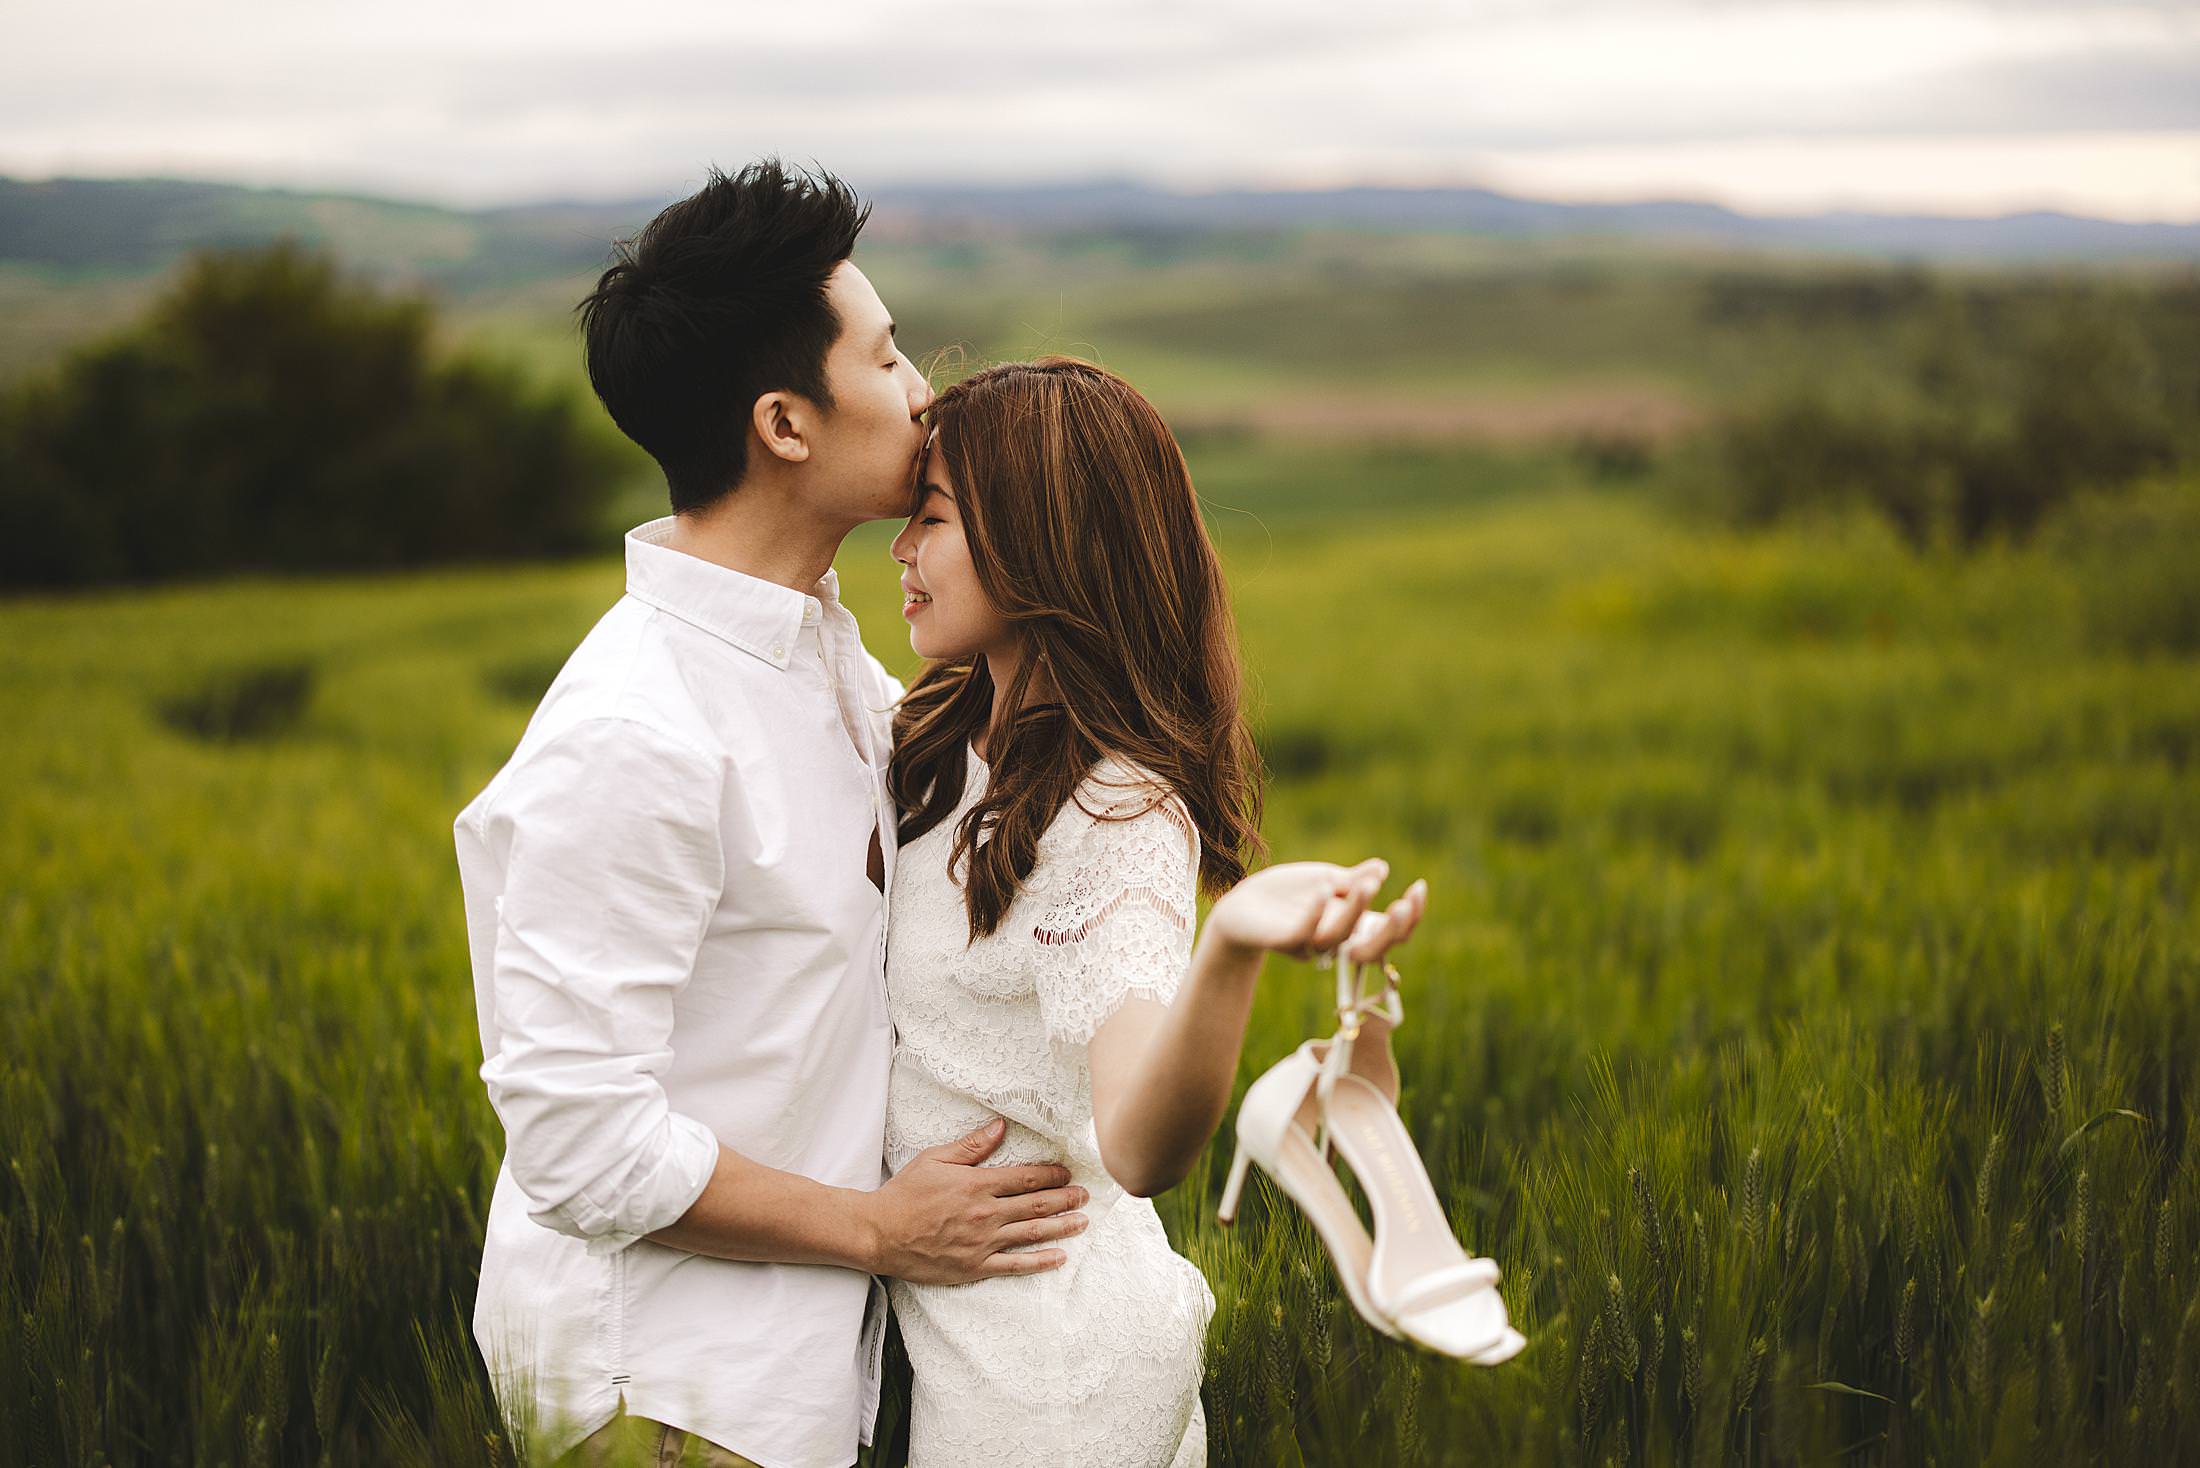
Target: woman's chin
(933,648)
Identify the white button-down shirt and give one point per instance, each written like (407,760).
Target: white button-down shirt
(676,945)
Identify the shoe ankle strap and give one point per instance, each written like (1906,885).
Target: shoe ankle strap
(1355,1005)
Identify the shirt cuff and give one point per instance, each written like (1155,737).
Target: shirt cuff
(657,1191)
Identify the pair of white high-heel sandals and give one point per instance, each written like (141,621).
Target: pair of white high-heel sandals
(1412,1281)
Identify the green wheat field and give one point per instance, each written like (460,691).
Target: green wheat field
(1806,1013)
(1804,1017)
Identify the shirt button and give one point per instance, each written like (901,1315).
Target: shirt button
(779,650)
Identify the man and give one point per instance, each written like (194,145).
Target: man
(674,893)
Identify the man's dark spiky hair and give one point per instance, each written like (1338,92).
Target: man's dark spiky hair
(720,300)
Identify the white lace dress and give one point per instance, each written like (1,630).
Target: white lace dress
(1100,1359)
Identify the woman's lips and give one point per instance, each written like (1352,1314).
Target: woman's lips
(915,605)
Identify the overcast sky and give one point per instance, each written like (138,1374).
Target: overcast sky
(1957,106)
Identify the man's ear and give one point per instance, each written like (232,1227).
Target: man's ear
(782,421)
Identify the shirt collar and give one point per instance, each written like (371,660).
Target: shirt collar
(760,617)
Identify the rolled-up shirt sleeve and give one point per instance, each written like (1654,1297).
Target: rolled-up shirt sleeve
(614,866)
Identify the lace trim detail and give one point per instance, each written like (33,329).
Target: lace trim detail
(1158,798)
(1178,816)
(1054,937)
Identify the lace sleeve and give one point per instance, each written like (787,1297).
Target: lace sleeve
(1120,911)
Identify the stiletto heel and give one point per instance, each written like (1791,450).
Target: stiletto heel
(1227,1213)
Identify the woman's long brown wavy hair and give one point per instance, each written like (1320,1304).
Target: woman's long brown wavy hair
(1084,532)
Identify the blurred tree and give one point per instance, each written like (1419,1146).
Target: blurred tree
(2011,404)
(2089,413)
(267,415)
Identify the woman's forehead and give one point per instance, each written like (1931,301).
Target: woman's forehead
(926,484)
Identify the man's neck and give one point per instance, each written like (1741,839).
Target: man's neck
(763,534)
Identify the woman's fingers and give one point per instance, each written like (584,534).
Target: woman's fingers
(1309,908)
(1344,879)
(1377,934)
(1339,914)
(1360,947)
(1406,912)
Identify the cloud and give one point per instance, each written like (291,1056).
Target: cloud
(2104,89)
(495,100)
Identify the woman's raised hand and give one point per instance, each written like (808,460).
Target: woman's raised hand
(1307,907)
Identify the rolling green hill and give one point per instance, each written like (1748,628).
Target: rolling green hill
(132,227)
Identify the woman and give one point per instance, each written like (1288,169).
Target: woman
(1071,768)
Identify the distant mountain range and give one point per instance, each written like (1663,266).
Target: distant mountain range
(134,226)
(2042,236)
